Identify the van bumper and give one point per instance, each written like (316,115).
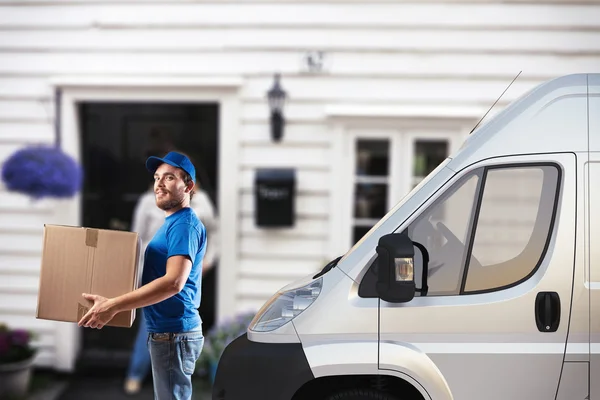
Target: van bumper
(266,371)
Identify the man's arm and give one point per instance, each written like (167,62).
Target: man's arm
(178,270)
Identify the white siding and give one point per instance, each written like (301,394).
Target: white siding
(264,63)
(341,39)
(390,54)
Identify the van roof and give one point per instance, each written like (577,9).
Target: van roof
(552,117)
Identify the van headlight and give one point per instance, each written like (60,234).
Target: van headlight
(285,306)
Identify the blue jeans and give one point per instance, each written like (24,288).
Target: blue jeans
(174,357)
(139,365)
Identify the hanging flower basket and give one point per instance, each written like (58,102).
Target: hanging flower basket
(42,171)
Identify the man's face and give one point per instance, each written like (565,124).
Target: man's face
(170,189)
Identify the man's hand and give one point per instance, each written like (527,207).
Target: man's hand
(100,314)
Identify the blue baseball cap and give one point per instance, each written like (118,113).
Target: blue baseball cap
(175,159)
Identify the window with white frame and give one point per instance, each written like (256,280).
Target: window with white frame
(386,166)
(371,184)
(428,154)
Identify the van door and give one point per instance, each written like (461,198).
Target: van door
(495,320)
(593,180)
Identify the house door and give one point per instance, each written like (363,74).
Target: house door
(116,139)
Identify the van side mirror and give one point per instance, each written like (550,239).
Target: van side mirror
(395,278)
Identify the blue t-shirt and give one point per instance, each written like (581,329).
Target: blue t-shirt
(181,234)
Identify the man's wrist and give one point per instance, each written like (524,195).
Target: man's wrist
(115,305)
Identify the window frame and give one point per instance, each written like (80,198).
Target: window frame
(369,279)
(400,180)
(473,227)
(480,173)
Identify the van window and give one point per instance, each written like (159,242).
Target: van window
(444,231)
(512,227)
(506,212)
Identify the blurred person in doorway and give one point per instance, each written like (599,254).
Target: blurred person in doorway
(147,219)
(171,285)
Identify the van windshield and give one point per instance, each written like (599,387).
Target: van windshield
(404,199)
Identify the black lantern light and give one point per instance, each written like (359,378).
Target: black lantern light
(277,98)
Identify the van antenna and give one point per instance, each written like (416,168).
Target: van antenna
(495,102)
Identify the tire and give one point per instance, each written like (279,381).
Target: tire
(361,394)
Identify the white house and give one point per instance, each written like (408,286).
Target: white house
(373,85)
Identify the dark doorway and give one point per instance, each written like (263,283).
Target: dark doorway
(116,139)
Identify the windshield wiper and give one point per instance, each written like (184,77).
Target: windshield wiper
(328,267)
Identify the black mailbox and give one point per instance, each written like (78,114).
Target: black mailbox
(274,194)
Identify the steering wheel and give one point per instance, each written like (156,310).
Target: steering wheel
(453,241)
(448,234)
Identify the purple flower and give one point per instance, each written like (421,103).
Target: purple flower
(20,337)
(222,334)
(42,171)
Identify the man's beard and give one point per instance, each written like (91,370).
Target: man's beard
(170,203)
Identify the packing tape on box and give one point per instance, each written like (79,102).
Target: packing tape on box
(91,237)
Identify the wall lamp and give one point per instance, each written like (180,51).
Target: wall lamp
(277,97)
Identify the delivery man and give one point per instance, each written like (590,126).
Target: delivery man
(170,291)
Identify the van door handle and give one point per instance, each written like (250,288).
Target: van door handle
(547,311)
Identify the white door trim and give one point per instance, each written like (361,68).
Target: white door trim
(223,91)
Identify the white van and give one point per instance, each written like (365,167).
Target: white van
(510,307)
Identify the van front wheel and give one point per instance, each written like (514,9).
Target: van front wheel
(361,394)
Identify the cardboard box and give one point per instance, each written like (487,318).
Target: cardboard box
(78,260)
